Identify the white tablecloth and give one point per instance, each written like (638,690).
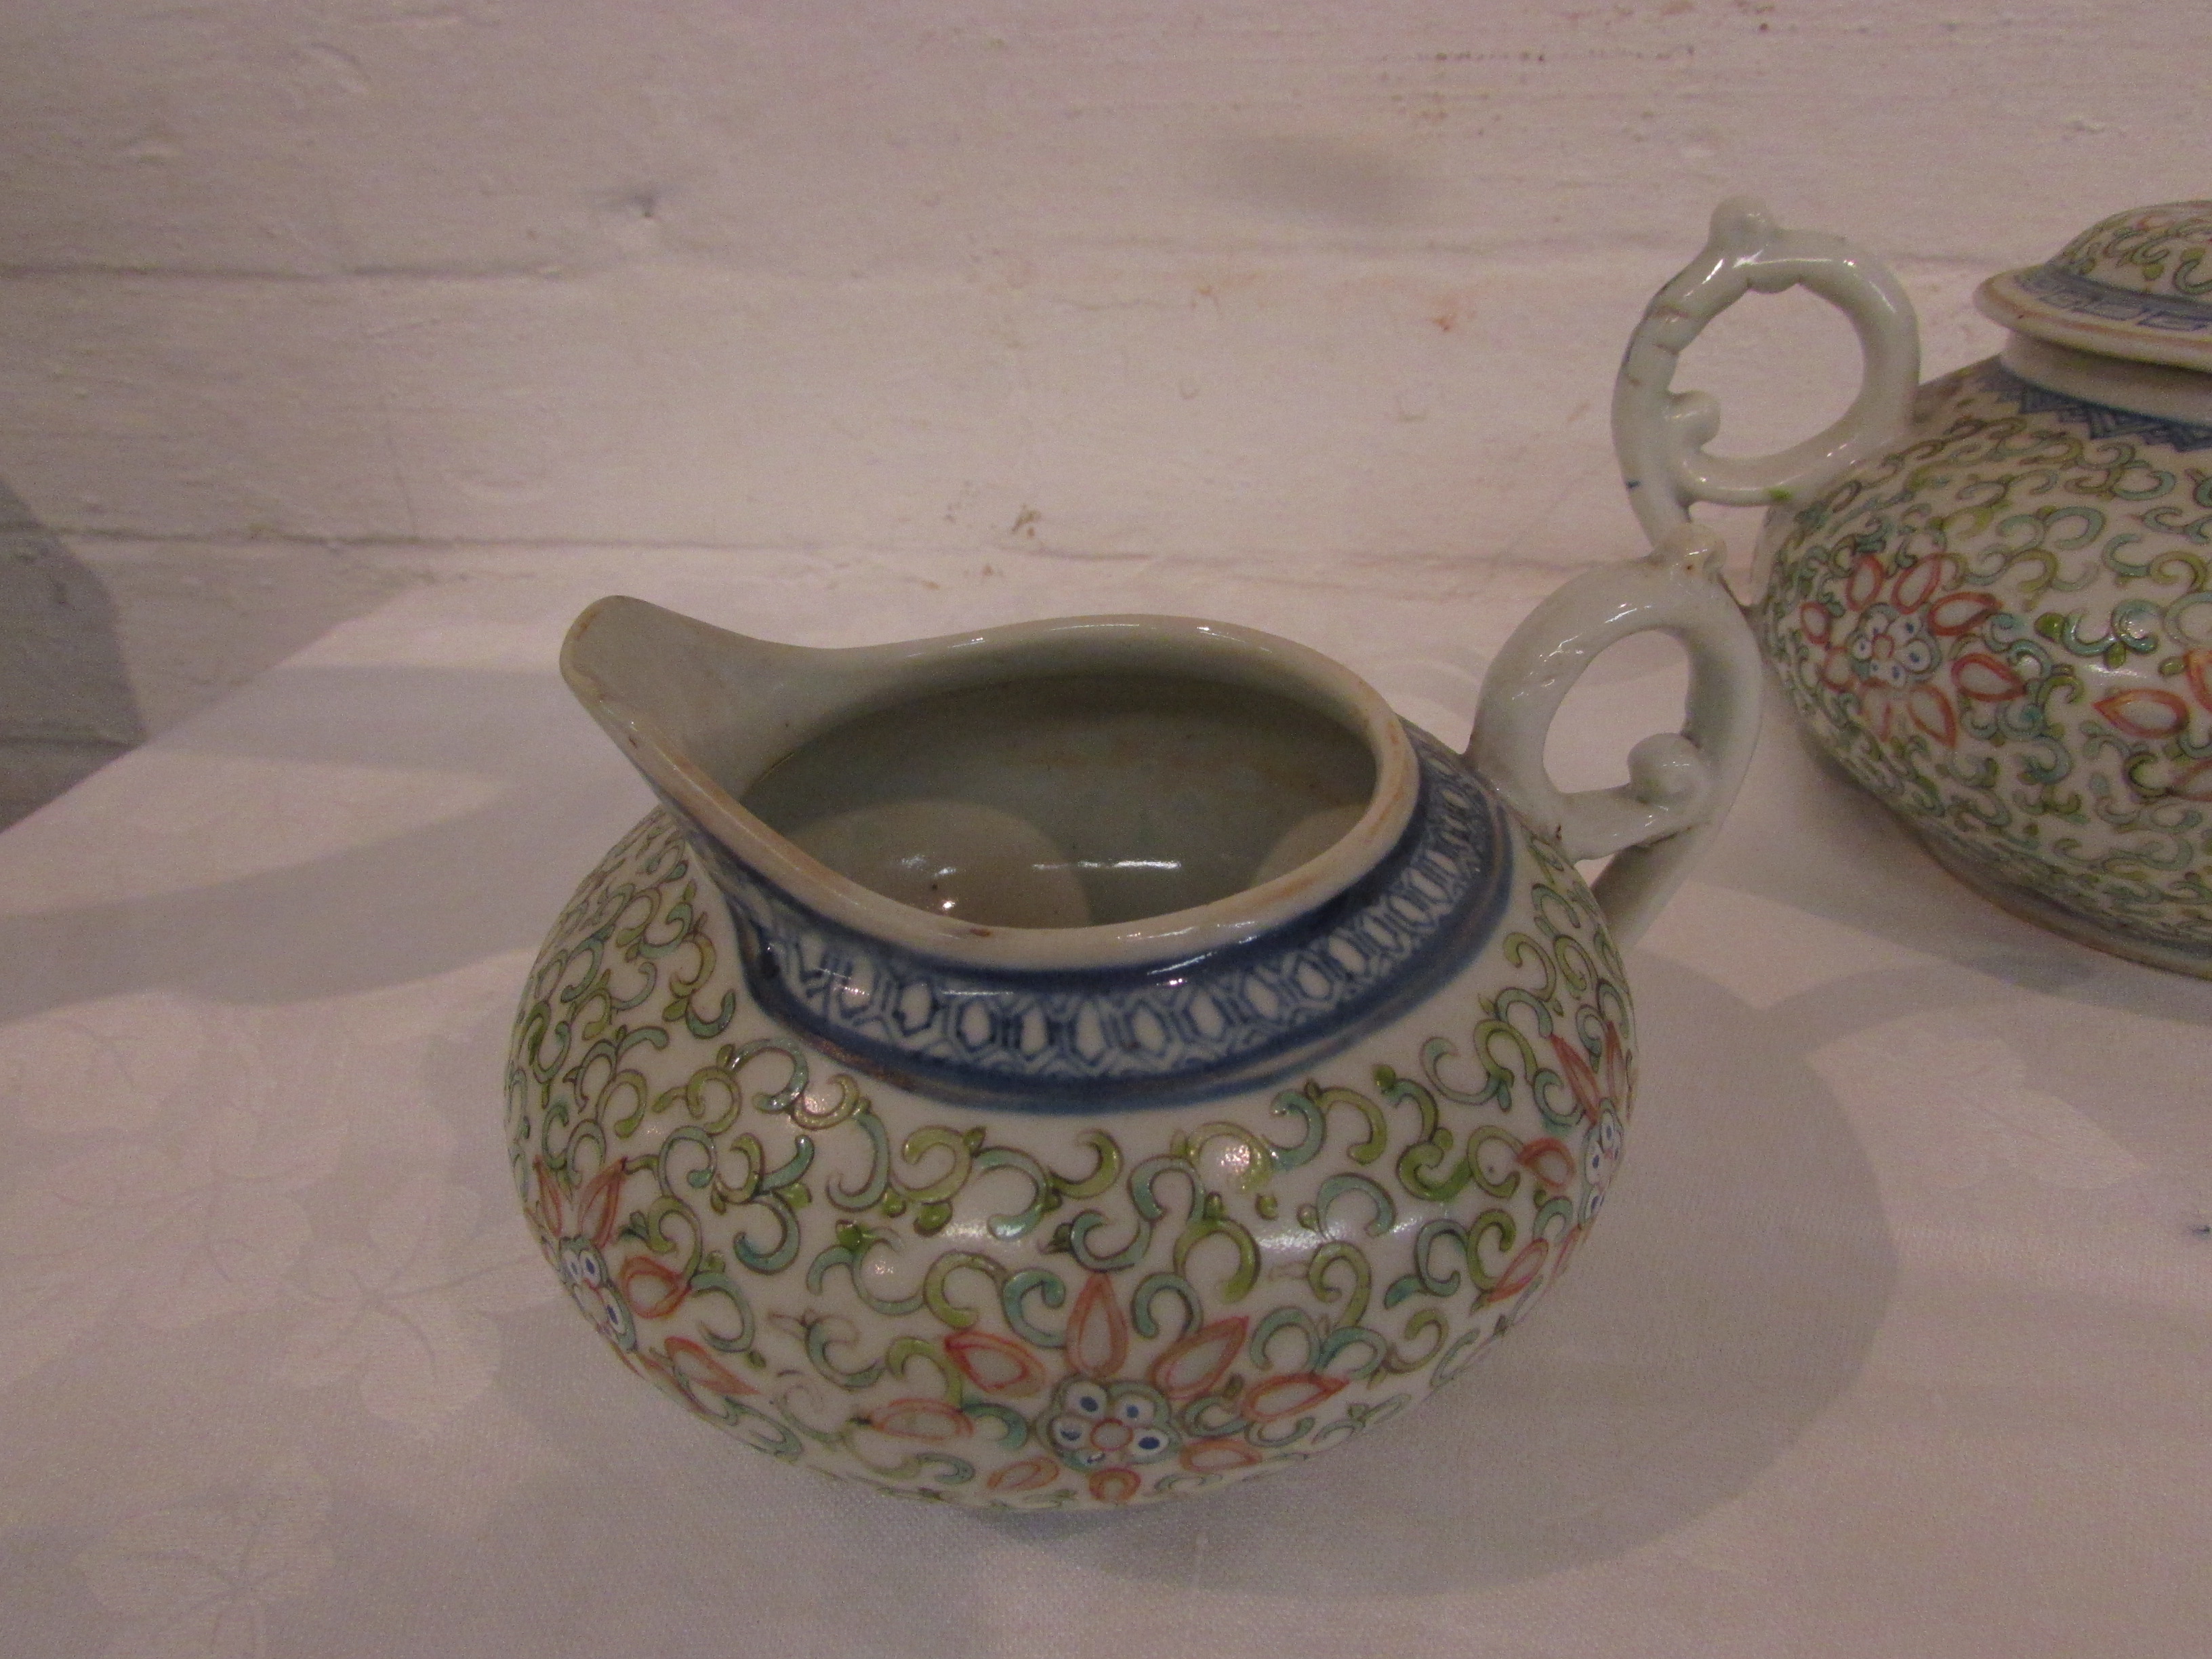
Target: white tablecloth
(1896,1340)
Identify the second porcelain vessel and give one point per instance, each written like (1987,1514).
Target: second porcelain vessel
(1076,1064)
(1991,598)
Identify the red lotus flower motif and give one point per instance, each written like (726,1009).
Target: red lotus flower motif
(1568,1246)
(1550,1162)
(996,1365)
(1879,707)
(1027,1475)
(1985,678)
(922,1419)
(1891,713)
(593,1215)
(1286,1396)
(1932,713)
(1575,1066)
(1218,1456)
(1593,1093)
(1917,584)
(1522,1271)
(1813,622)
(2145,713)
(1961,613)
(692,1369)
(1098,1343)
(1195,1364)
(2196,670)
(654,1290)
(2193,783)
(1115,1485)
(577,1234)
(1094,1424)
(1863,586)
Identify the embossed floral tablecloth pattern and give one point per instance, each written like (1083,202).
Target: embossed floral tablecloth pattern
(1896,1339)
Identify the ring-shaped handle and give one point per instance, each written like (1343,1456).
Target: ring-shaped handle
(1680,783)
(1660,435)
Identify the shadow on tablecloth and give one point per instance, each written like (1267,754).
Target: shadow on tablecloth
(303,910)
(1731,1295)
(1805,836)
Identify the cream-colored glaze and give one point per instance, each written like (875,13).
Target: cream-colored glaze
(1065,801)
(1680,784)
(1659,434)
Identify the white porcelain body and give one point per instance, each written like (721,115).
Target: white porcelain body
(1989,598)
(954,1302)
(1073,1216)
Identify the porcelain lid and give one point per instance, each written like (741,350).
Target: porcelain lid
(2136,285)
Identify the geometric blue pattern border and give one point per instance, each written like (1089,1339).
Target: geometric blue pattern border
(2098,420)
(2062,290)
(1090,1040)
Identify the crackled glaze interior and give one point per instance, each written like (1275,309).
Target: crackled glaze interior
(1070,800)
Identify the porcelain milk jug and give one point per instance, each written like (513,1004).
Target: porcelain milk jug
(1990,598)
(1073,1064)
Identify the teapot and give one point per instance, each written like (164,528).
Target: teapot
(1989,598)
(1075,1063)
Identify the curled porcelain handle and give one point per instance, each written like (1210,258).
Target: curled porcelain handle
(1660,435)
(1679,783)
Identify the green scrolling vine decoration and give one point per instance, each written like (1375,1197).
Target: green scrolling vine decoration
(1026,1309)
(2004,631)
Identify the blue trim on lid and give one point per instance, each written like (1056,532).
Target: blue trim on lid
(2064,292)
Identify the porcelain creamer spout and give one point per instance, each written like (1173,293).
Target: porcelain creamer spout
(1072,794)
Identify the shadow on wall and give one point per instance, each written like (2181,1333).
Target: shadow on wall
(66,706)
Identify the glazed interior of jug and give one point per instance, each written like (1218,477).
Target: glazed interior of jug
(1071,800)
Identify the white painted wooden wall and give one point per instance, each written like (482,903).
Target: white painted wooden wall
(300,300)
